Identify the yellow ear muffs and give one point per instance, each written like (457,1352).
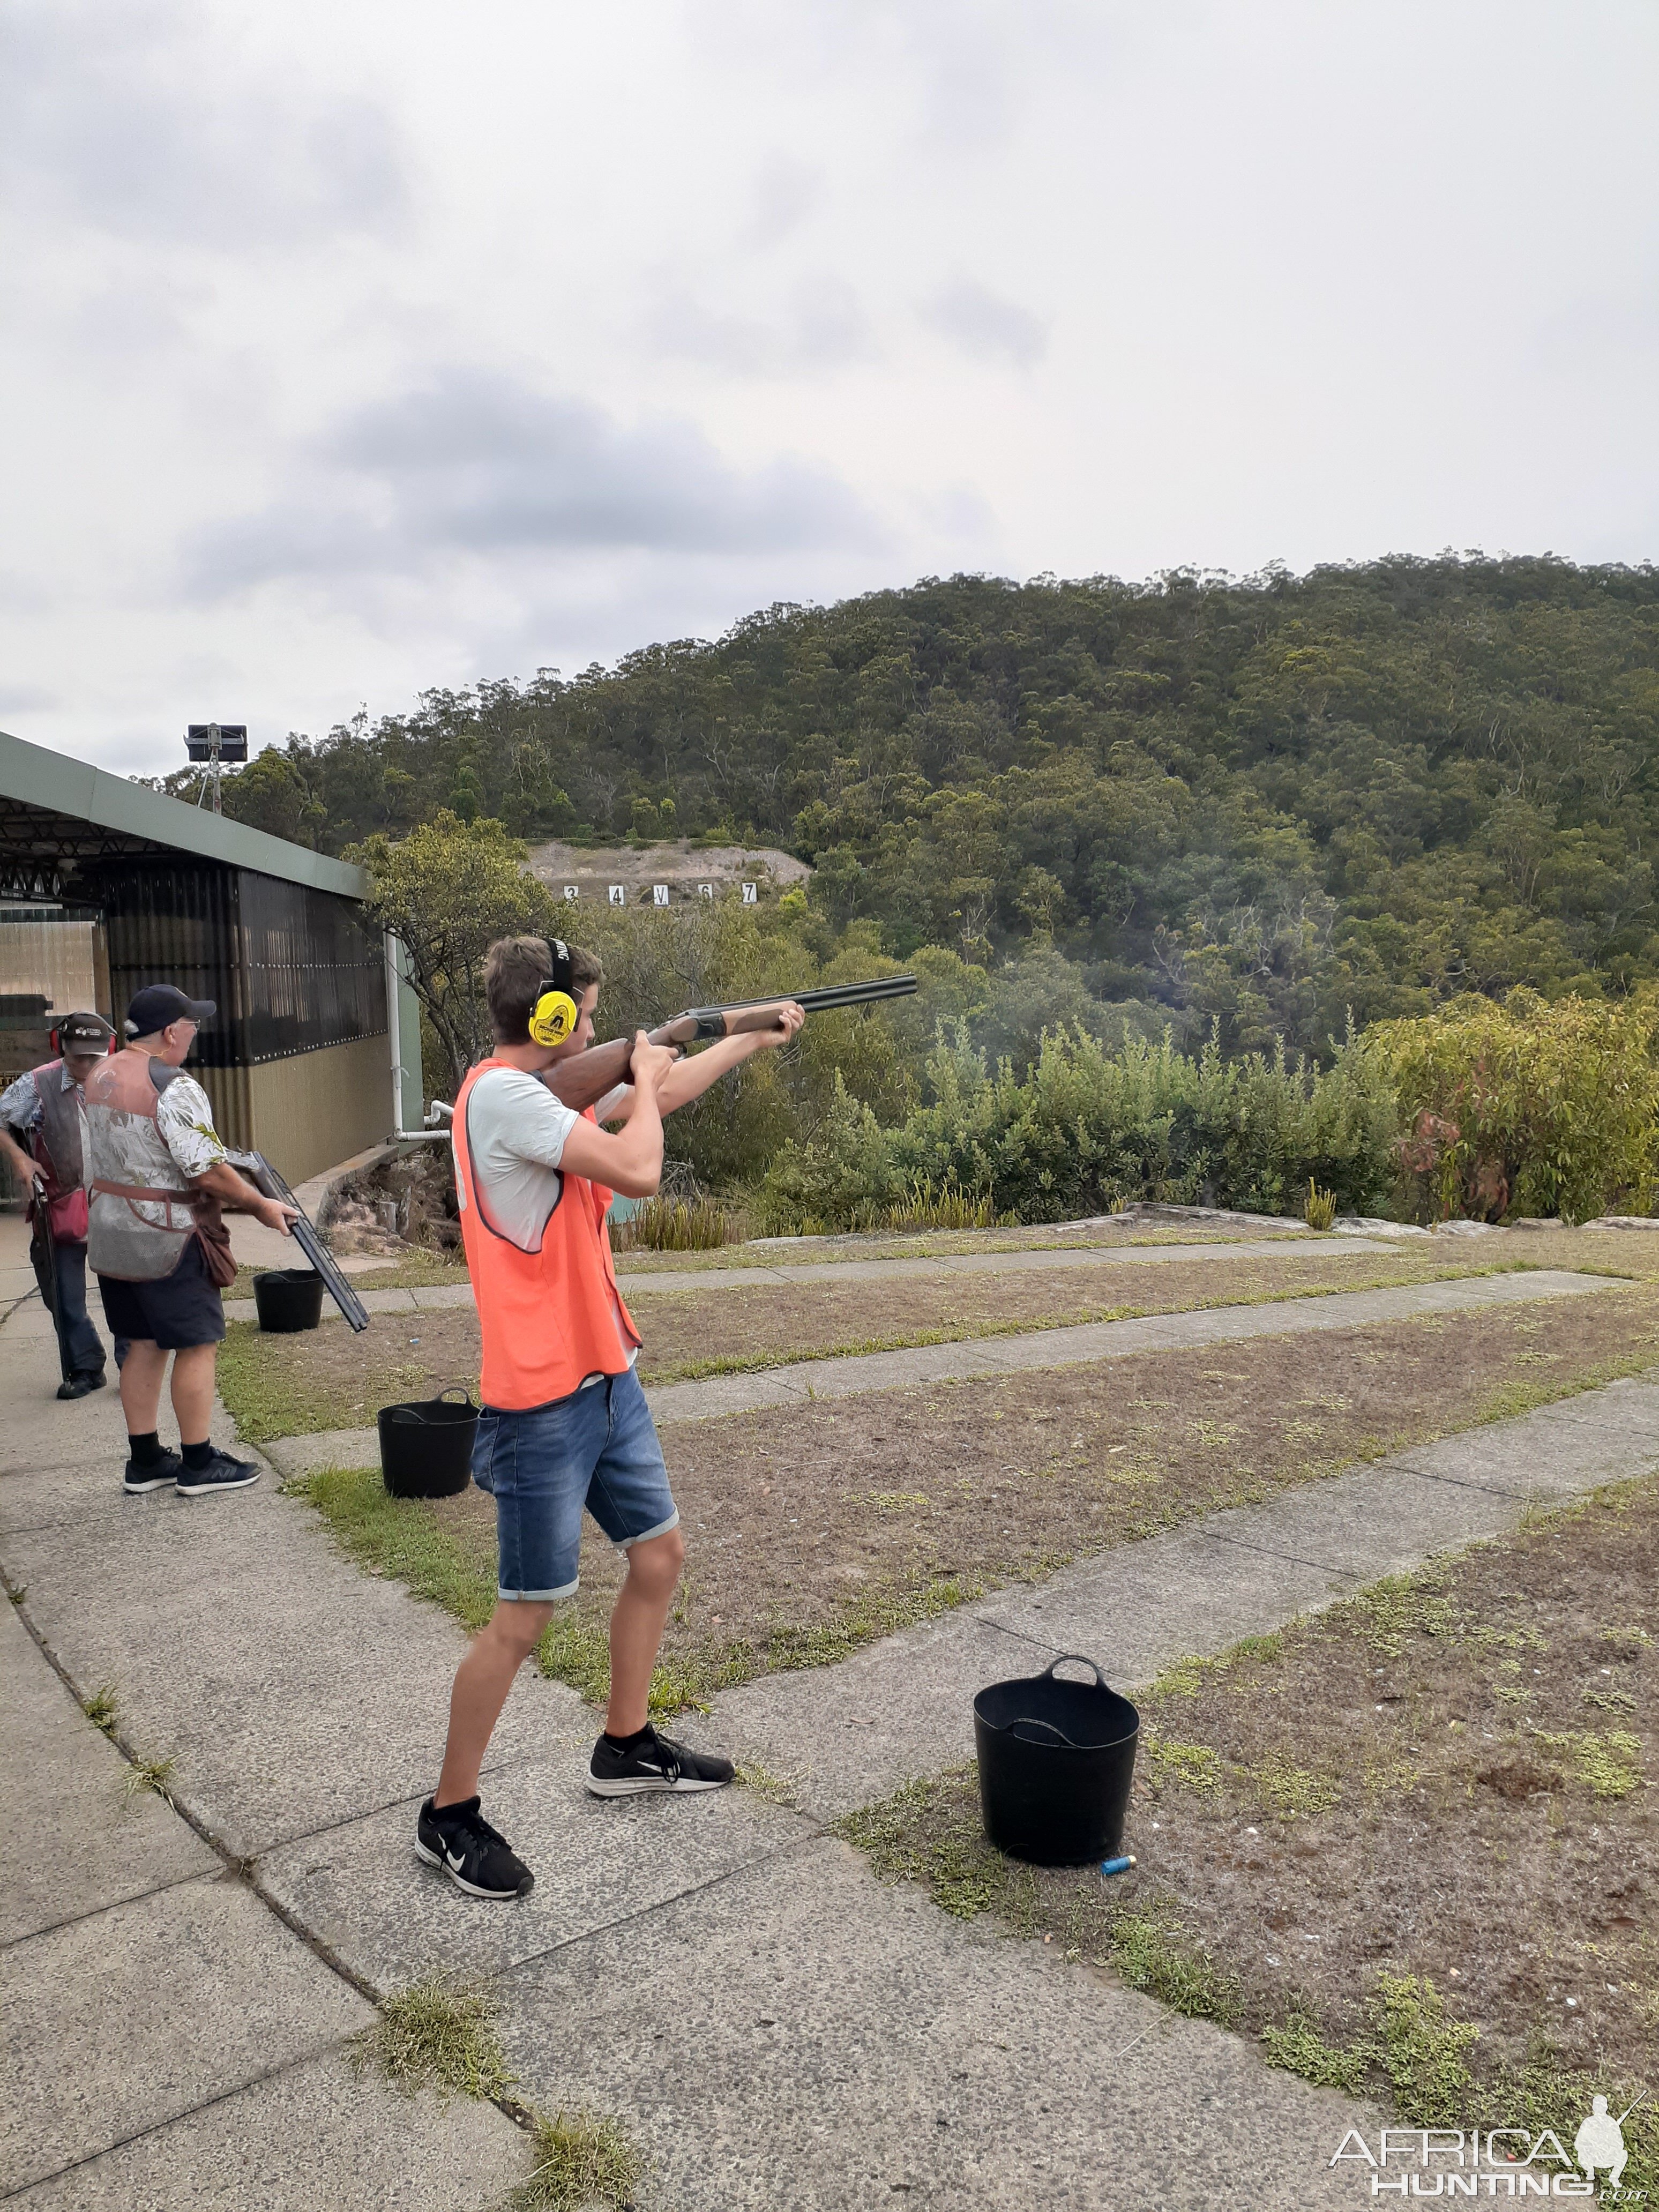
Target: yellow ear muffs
(554,1018)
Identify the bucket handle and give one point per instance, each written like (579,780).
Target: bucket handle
(1066,1659)
(416,1417)
(1030,1721)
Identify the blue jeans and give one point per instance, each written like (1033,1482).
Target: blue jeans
(80,1347)
(598,1449)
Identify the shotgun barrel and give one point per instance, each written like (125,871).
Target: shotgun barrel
(582,1080)
(264,1177)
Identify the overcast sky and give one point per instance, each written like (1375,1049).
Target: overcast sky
(353,348)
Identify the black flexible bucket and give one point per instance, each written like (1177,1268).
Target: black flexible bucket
(288,1298)
(1055,1762)
(426,1448)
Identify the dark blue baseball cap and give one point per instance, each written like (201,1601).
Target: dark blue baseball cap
(158,1003)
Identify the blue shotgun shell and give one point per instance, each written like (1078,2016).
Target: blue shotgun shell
(1117,1866)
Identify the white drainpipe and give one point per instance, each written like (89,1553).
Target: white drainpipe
(435,1129)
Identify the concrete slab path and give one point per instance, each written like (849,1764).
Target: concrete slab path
(170,2042)
(776,2027)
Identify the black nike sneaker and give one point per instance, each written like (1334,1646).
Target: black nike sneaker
(82,1385)
(221,1473)
(154,1474)
(477,1857)
(651,1762)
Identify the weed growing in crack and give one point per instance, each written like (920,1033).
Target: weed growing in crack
(437,2035)
(581,2158)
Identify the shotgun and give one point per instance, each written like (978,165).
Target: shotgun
(269,1180)
(586,1077)
(46,1270)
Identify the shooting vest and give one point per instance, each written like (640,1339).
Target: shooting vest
(547,1316)
(144,1210)
(56,1146)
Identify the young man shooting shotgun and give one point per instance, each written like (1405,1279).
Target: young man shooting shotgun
(565,1425)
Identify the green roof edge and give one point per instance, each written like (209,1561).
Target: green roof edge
(42,778)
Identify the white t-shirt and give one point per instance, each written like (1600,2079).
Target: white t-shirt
(515,1135)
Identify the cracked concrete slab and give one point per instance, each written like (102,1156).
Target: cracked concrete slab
(319,2136)
(391,1919)
(842,2043)
(292,1690)
(92,1841)
(94,2058)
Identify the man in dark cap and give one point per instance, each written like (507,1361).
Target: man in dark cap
(158,1177)
(41,1138)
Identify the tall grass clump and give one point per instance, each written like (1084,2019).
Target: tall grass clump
(1527,1108)
(1089,1130)
(676,1224)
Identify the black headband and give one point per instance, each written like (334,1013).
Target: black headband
(558,960)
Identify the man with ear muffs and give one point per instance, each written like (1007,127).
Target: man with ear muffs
(565,1428)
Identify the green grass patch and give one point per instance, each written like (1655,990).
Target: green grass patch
(151,1774)
(402,1537)
(100,1709)
(440,2036)
(1609,1764)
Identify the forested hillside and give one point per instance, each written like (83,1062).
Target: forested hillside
(1267,802)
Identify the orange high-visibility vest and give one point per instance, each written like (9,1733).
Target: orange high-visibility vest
(547,1316)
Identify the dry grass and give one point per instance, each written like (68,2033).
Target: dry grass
(582,2159)
(1410,1844)
(326,1378)
(436,2035)
(813,1533)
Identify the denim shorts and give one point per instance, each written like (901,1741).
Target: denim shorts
(597,1448)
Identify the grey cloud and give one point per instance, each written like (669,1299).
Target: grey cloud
(985,326)
(784,192)
(823,326)
(25,699)
(134,117)
(479,463)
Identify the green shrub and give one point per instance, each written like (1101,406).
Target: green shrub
(1526,1108)
(1092,1130)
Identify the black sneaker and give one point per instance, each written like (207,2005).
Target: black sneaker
(653,1763)
(82,1386)
(477,1857)
(155,1474)
(221,1473)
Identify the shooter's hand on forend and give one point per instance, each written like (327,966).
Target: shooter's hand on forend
(791,1015)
